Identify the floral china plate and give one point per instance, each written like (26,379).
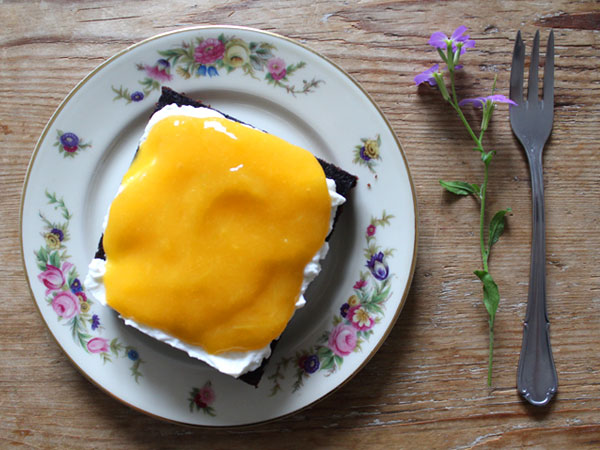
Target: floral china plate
(279,86)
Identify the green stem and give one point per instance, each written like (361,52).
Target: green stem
(491,352)
(454,103)
(482,194)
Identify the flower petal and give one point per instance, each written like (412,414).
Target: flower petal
(427,76)
(499,98)
(480,101)
(438,40)
(476,102)
(456,36)
(467,43)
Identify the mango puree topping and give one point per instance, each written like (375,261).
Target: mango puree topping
(209,236)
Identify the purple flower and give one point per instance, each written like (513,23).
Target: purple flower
(378,268)
(163,64)
(58,233)
(137,96)
(212,72)
(363,155)
(479,102)
(76,286)
(344,309)
(69,140)
(427,76)
(95,322)
(440,40)
(311,364)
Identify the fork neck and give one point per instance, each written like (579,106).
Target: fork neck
(534,156)
(533,150)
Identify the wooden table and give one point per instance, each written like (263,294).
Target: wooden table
(426,387)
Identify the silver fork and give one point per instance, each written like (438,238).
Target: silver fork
(531,121)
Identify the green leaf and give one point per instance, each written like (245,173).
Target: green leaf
(42,256)
(487,157)
(373,308)
(491,295)
(328,363)
(459,187)
(55,259)
(497,227)
(324,352)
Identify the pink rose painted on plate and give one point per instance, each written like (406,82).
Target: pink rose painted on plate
(206,395)
(97,345)
(209,51)
(277,68)
(65,304)
(53,277)
(202,399)
(342,340)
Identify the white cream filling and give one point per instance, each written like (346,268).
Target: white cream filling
(231,363)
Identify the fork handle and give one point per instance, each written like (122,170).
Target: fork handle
(537,380)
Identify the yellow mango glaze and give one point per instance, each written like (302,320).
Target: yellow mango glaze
(209,236)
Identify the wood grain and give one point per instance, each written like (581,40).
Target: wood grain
(426,387)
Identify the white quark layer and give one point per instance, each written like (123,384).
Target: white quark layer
(230,363)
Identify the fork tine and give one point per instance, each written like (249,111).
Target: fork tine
(549,72)
(532,86)
(516,71)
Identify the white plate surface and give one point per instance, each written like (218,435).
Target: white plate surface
(277,85)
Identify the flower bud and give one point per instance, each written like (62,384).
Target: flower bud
(441,85)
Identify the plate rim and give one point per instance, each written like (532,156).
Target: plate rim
(292,41)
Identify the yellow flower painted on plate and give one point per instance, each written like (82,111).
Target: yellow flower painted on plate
(372,149)
(353,300)
(52,241)
(237,53)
